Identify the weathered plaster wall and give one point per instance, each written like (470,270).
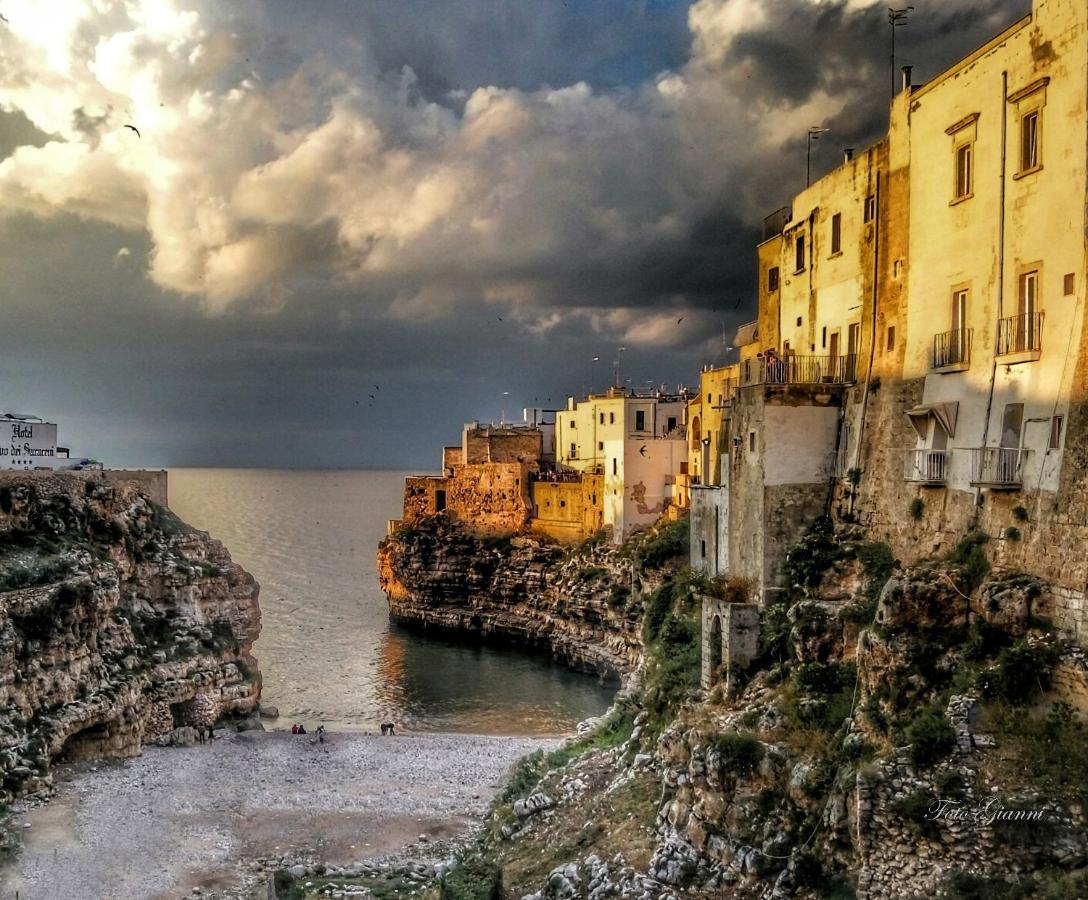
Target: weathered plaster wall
(709,529)
(568,510)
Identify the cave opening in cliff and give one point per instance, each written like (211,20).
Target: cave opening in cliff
(85,744)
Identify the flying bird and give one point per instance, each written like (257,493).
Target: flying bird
(642,450)
(372,397)
(681,319)
(134,128)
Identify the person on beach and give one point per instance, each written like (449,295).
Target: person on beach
(322,736)
(294,729)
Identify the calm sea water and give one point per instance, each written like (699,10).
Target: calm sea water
(328,651)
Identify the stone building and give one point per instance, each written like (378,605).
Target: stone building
(486,482)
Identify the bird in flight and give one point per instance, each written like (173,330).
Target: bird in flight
(134,128)
(681,319)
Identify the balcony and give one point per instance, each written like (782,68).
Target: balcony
(927,466)
(1020,338)
(1001,468)
(794,369)
(952,351)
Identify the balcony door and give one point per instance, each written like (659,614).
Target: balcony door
(853,346)
(1027,302)
(1008,455)
(957,344)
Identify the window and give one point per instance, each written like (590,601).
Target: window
(602,418)
(573,423)
(600,445)
(573,451)
(439,501)
(710,399)
(1029,141)
(684,468)
(640,420)
(891,338)
(614,467)
(799,320)
(772,278)
(1056,432)
(964,171)
(702,545)
(611,418)
(836,233)
(1069,284)
(870,208)
(562,503)
(752,441)
(785,346)
(799,253)
(823,336)
(671,423)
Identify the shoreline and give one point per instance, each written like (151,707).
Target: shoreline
(216,816)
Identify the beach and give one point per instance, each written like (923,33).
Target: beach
(211,817)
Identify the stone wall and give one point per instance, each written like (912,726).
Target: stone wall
(709,530)
(734,628)
(568,510)
(494,498)
(491,444)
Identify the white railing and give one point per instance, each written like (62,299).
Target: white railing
(998,466)
(927,466)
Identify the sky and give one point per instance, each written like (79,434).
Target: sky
(346,227)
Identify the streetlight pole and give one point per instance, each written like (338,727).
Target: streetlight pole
(896,19)
(813,135)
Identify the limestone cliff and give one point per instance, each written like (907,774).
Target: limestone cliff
(583,605)
(904,732)
(118,624)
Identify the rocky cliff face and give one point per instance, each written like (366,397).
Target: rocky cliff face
(584,606)
(904,732)
(118,625)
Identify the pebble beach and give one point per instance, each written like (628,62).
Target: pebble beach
(206,820)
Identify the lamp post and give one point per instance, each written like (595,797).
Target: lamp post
(897,18)
(813,135)
(593,373)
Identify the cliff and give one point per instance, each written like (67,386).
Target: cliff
(583,605)
(119,624)
(904,732)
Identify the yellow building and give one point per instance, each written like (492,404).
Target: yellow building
(708,412)
(636,442)
(568,506)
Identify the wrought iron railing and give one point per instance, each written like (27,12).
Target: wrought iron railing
(794,369)
(927,466)
(952,348)
(1020,334)
(998,466)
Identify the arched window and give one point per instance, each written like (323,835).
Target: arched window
(695,432)
(715,646)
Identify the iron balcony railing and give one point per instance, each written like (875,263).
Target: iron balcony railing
(1020,334)
(998,466)
(927,466)
(952,348)
(794,369)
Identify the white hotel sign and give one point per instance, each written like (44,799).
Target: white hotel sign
(27,445)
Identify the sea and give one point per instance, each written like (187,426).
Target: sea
(328,652)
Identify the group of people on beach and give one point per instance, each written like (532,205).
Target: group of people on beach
(322,734)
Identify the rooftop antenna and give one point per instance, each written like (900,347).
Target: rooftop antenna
(897,18)
(813,135)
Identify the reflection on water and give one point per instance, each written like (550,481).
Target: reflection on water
(327,651)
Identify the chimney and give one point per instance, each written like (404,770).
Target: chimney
(847,154)
(906,77)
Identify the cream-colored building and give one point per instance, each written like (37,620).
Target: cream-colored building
(997,245)
(637,442)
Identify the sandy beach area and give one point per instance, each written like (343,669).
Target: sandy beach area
(180,818)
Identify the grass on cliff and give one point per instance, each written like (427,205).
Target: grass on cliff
(673,647)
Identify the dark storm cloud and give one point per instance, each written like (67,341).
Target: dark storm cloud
(328,197)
